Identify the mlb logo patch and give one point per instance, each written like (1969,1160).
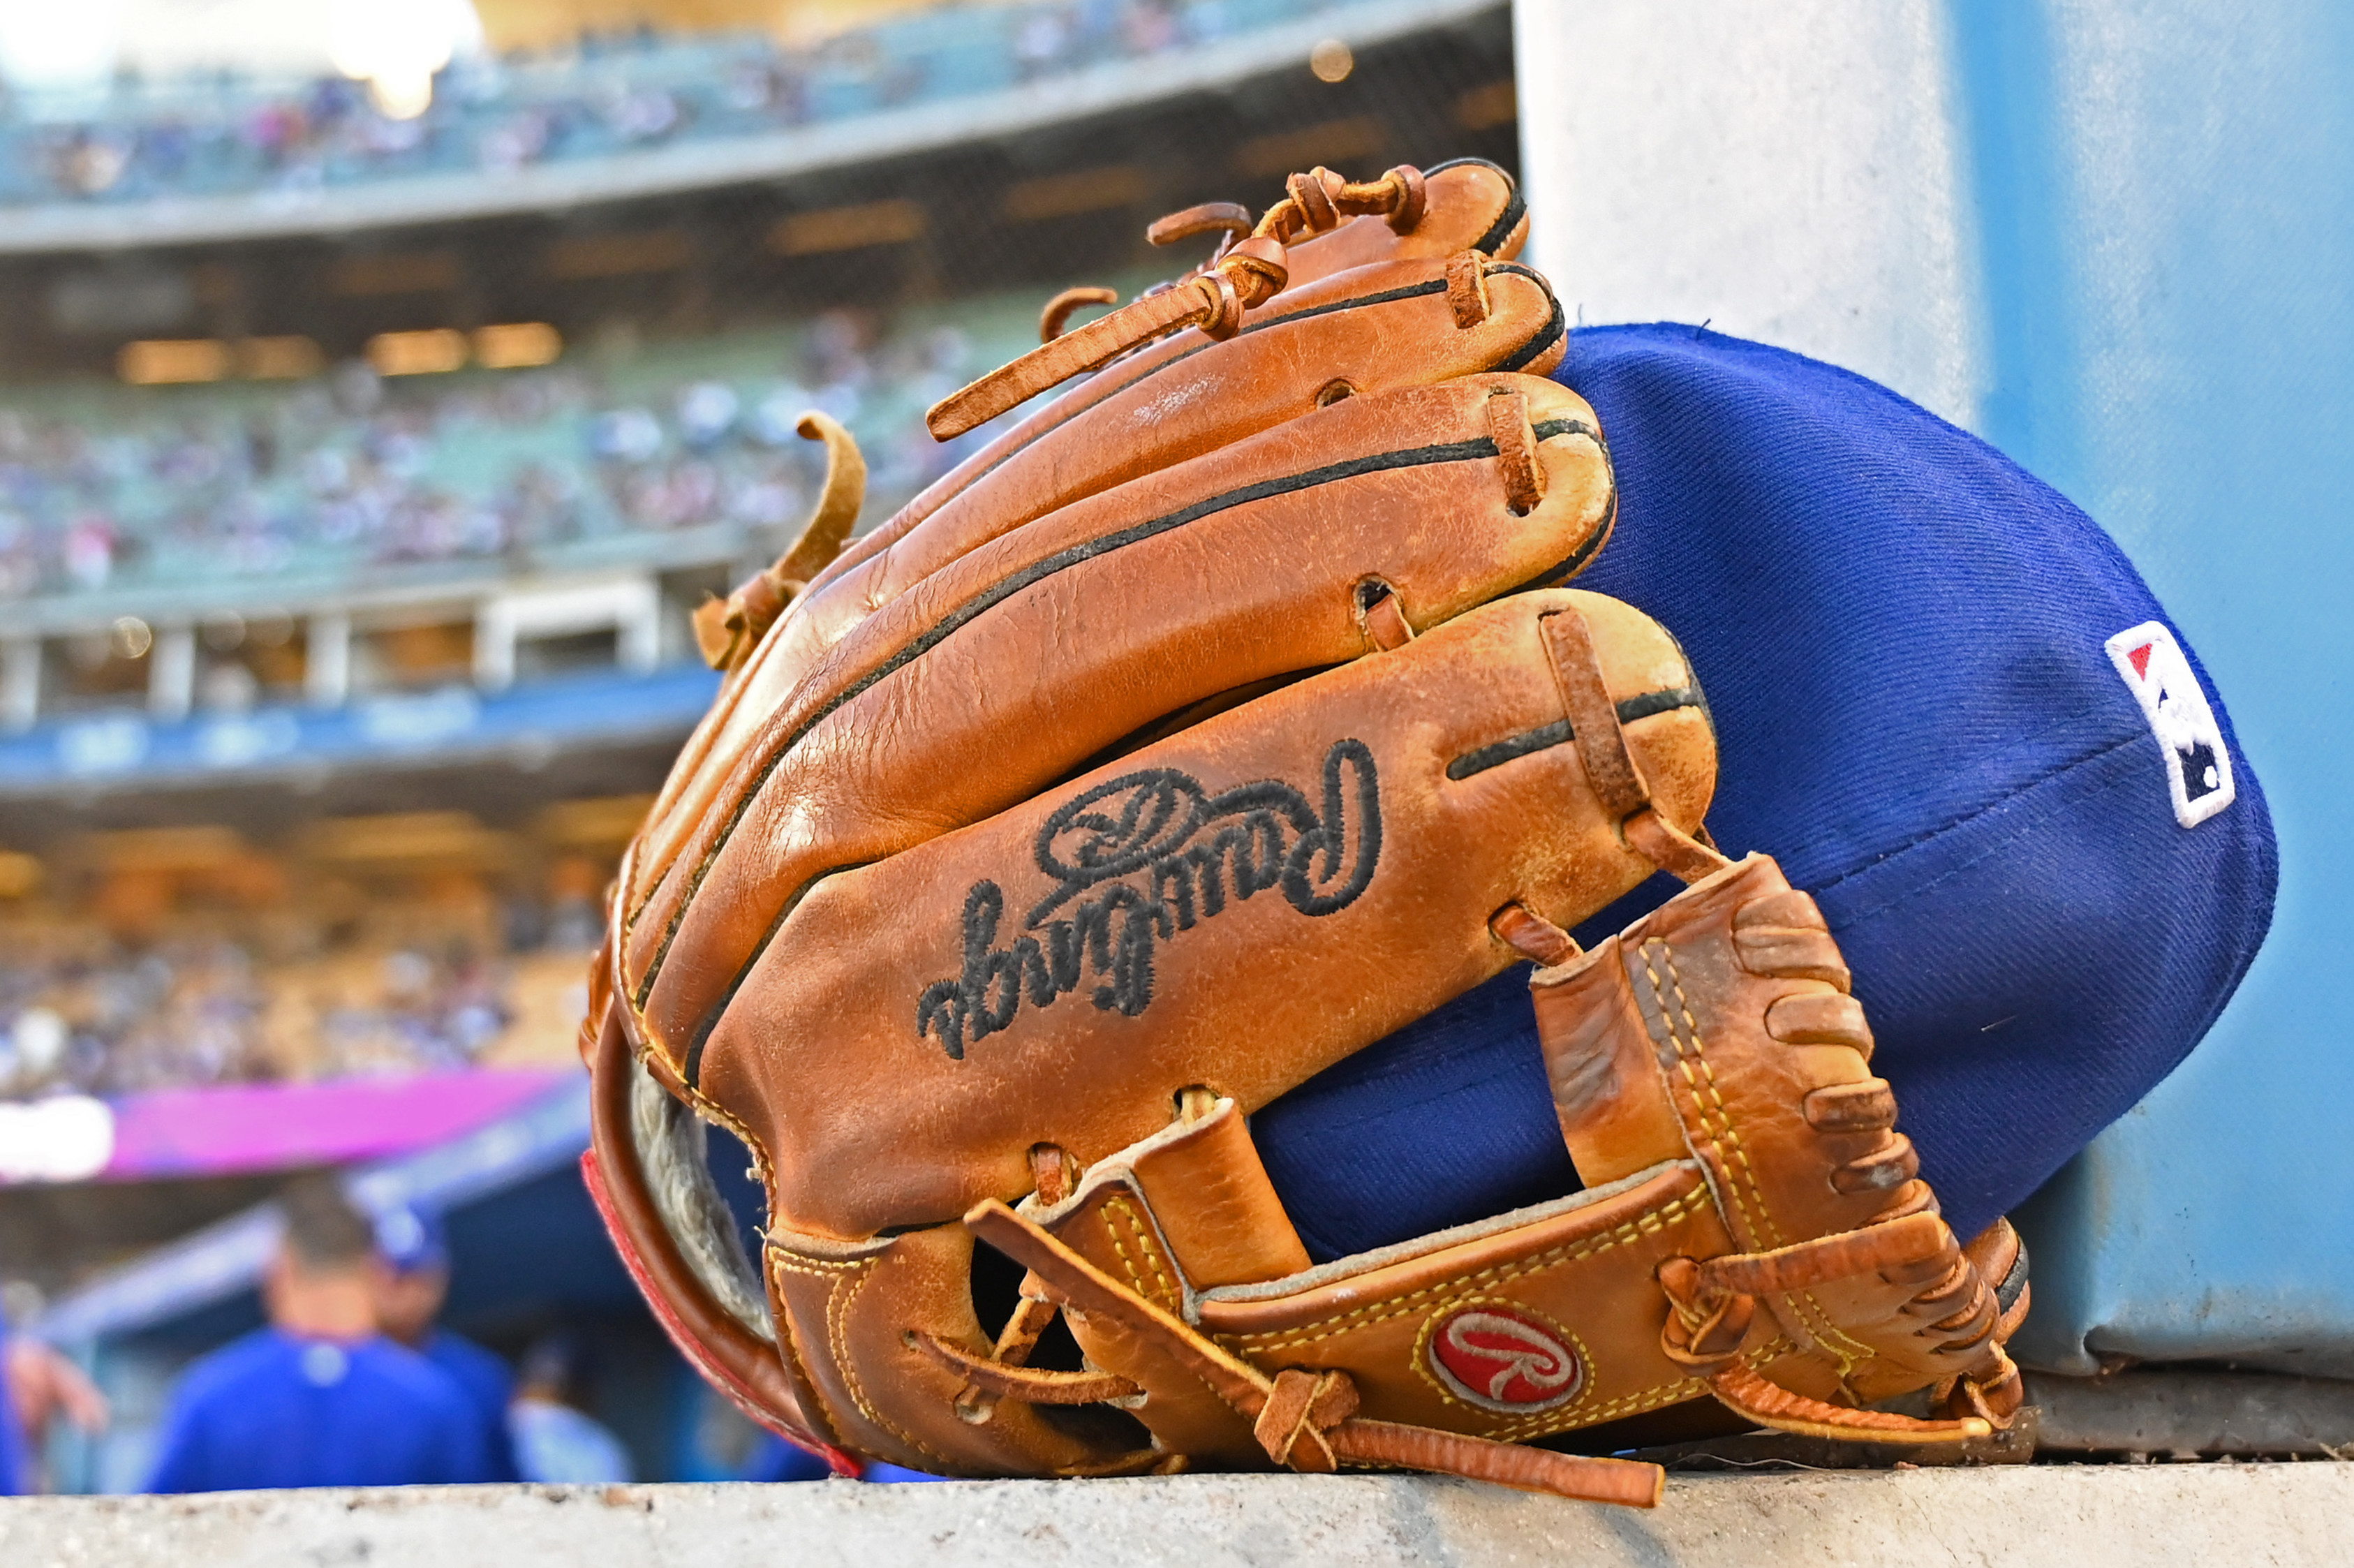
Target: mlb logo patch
(2197,766)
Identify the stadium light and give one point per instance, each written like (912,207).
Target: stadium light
(517,346)
(20,873)
(60,46)
(287,358)
(165,361)
(1361,137)
(1485,107)
(1082,190)
(397,46)
(67,1138)
(580,256)
(426,353)
(892,222)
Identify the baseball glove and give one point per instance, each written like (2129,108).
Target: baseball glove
(1213,723)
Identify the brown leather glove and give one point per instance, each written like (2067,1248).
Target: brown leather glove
(1212,724)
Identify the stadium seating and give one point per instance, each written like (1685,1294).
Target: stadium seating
(180,957)
(578,463)
(221,135)
(298,642)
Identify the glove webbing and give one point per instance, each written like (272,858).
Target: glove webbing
(1714,1301)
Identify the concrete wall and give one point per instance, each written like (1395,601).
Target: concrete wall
(2117,238)
(1692,162)
(2018,1517)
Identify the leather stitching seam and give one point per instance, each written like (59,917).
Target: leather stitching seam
(1847,1351)
(1164,1292)
(1671,1393)
(1651,1222)
(778,739)
(856,1272)
(1702,1086)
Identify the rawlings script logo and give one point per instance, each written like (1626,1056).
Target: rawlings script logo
(1502,1362)
(1138,859)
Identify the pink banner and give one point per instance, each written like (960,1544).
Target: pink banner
(268,1127)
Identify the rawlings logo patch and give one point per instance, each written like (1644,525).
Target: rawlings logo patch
(2198,764)
(1141,858)
(1502,1360)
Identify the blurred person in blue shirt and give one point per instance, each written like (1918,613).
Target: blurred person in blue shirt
(319,1398)
(13,1479)
(554,1439)
(409,1296)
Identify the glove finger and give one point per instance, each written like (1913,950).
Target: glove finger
(1372,329)
(1134,416)
(1013,666)
(1471,205)
(1239,907)
(1375,329)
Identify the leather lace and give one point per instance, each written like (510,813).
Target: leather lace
(1243,273)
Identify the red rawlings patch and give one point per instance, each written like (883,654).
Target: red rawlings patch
(1498,1360)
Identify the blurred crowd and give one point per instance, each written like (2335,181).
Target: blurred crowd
(119,1021)
(351,469)
(610,95)
(295,996)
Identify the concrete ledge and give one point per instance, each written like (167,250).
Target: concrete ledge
(2065,1515)
(2154,1409)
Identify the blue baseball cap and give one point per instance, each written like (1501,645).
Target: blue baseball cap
(1950,708)
(409,1239)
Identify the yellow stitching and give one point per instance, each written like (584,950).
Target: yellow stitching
(708,731)
(1817,1317)
(817,1268)
(1626,1404)
(1650,1222)
(703,1104)
(1568,1252)
(1719,1126)
(837,1335)
(623,880)
(1126,1263)
(1166,1294)
(1706,1096)
(1543,1424)
(1136,1281)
